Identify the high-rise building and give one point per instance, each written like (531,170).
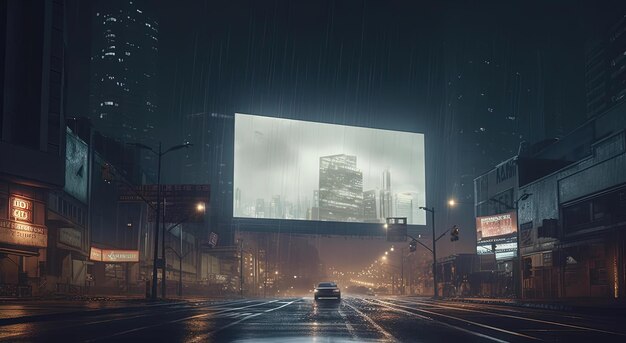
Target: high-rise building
(403,205)
(209,161)
(386,197)
(340,189)
(371,206)
(123,71)
(605,70)
(259,210)
(238,202)
(32,135)
(276,207)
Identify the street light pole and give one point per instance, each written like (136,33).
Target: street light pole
(434,250)
(153,292)
(159,155)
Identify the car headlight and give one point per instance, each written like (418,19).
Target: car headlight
(336,290)
(315,291)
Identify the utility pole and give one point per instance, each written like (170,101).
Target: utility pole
(153,293)
(180,265)
(241,267)
(402,271)
(434,249)
(159,155)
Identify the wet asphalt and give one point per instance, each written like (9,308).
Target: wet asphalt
(353,319)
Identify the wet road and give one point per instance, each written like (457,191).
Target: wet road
(304,320)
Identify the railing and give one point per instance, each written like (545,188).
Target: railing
(15,290)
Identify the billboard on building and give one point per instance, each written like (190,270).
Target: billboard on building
(113,256)
(76,172)
(495,226)
(300,170)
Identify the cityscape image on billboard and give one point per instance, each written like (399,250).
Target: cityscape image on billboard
(300,170)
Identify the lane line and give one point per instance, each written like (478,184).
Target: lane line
(388,336)
(549,322)
(207,335)
(177,321)
(349,326)
(502,308)
(391,306)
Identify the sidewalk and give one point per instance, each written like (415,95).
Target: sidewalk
(592,306)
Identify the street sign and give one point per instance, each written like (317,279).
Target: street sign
(178,202)
(173,193)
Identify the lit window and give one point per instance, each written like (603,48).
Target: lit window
(109,54)
(111,19)
(108,103)
(138,10)
(127,53)
(112,47)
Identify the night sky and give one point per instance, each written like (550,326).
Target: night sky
(477,77)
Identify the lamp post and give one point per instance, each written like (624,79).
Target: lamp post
(519,275)
(159,155)
(434,250)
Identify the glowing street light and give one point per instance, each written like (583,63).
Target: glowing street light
(451,202)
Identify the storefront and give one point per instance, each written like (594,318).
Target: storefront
(113,271)
(23,239)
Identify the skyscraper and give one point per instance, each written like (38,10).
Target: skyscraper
(605,74)
(371,207)
(404,206)
(340,189)
(123,71)
(386,209)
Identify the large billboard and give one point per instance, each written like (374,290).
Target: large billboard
(300,170)
(497,235)
(497,225)
(76,172)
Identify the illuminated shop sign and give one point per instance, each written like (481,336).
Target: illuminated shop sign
(109,255)
(95,254)
(20,210)
(14,232)
(494,226)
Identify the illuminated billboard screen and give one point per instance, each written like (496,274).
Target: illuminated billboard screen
(300,170)
(495,226)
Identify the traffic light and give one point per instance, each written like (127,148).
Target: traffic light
(454,234)
(413,245)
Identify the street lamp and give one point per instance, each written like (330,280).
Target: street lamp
(434,250)
(159,155)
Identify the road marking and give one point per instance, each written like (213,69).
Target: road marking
(178,320)
(391,306)
(388,336)
(349,326)
(204,337)
(528,319)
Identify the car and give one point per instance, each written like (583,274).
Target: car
(327,290)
